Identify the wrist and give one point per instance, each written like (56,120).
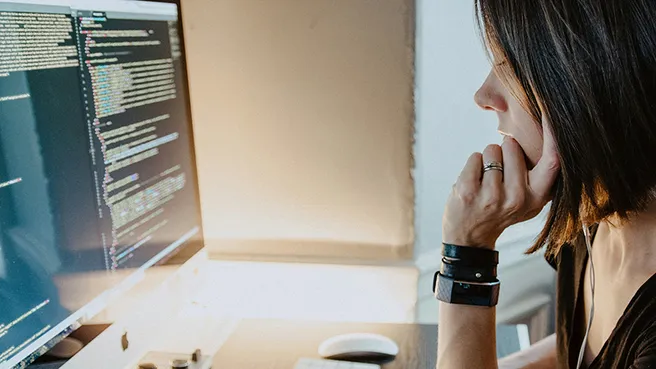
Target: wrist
(468,241)
(468,276)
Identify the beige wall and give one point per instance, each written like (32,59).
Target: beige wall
(303,116)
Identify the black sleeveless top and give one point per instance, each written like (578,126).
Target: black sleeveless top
(632,344)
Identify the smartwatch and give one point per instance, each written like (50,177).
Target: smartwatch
(466,293)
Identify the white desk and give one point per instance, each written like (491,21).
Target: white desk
(181,314)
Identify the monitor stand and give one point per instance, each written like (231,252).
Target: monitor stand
(149,320)
(71,345)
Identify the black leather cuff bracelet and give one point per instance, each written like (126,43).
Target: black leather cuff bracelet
(469,256)
(467,273)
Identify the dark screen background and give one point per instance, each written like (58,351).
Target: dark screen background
(181,209)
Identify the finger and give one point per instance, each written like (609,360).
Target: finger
(471,173)
(545,172)
(492,155)
(514,165)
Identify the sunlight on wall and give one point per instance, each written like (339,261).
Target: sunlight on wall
(303,117)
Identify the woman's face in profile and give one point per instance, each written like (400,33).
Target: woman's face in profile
(513,119)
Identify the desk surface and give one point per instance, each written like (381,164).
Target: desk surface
(274,344)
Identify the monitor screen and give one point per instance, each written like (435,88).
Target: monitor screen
(97,168)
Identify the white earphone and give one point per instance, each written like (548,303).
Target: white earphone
(588,244)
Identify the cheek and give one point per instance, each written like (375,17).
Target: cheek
(529,136)
(521,125)
(531,142)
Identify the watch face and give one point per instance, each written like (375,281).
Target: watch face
(474,294)
(466,293)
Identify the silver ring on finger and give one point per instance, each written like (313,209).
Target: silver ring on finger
(492,165)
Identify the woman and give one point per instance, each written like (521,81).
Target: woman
(574,88)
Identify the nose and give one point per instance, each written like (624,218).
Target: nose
(489,96)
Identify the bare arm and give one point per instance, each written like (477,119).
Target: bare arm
(467,337)
(542,355)
(481,206)
(470,332)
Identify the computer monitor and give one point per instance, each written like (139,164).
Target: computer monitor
(97,167)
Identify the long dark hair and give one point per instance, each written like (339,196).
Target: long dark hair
(588,67)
